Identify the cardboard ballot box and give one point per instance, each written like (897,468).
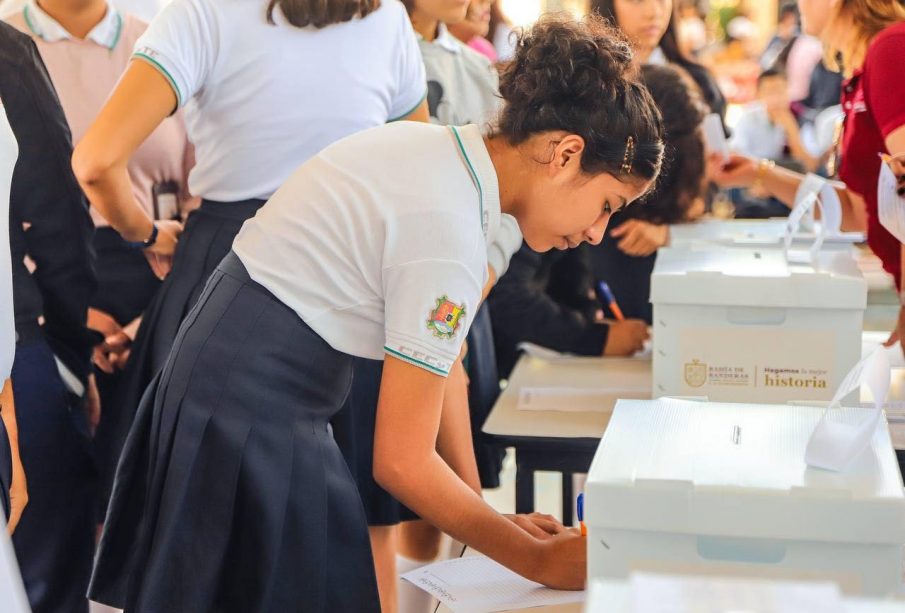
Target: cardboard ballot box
(747,233)
(712,488)
(747,325)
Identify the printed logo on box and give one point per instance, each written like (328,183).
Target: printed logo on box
(695,373)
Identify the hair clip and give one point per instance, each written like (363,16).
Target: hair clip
(629,158)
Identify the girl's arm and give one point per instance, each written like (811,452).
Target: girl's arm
(141,101)
(407,464)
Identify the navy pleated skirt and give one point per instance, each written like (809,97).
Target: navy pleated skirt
(231,494)
(208,237)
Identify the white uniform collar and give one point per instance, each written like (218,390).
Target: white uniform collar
(477,160)
(445,40)
(657,58)
(106,33)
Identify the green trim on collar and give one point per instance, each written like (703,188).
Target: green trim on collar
(474,176)
(29,23)
(119,31)
(411,110)
(415,362)
(147,58)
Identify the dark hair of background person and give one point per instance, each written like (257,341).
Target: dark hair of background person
(669,44)
(321,13)
(578,76)
(682,179)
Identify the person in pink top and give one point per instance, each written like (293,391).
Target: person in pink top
(86,47)
(473,30)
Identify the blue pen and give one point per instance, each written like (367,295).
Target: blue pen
(608,298)
(580,509)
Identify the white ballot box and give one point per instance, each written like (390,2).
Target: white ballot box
(688,487)
(747,325)
(672,594)
(761,233)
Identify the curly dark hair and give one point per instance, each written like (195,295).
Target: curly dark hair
(321,13)
(682,180)
(578,76)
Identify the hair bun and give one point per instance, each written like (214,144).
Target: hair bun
(578,77)
(561,59)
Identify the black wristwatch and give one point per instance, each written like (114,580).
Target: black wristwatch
(145,243)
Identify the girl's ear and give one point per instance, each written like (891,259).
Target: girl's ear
(568,151)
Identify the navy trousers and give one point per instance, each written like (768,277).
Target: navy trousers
(54,541)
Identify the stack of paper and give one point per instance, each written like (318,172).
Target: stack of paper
(477,584)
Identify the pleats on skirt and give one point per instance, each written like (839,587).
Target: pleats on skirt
(231,494)
(207,238)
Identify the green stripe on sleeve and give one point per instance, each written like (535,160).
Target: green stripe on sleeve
(415,362)
(410,111)
(163,71)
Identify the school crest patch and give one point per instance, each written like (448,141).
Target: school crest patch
(445,320)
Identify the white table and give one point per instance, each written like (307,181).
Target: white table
(561,441)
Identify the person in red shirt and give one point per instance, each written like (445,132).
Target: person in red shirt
(867,40)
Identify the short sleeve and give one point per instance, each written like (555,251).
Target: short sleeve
(884,86)
(182,44)
(411,79)
(434,263)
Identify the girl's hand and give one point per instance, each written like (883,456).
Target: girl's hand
(897,165)
(739,171)
(116,342)
(640,238)
(563,561)
(538,525)
(160,254)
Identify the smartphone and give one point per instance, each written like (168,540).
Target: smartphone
(165,199)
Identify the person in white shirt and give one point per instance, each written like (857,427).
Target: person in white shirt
(264,88)
(767,127)
(462,89)
(231,495)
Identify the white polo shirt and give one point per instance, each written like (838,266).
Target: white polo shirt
(261,99)
(9,153)
(383,253)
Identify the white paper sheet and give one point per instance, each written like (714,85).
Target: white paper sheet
(652,593)
(575,399)
(477,584)
(833,445)
(715,136)
(890,205)
(811,194)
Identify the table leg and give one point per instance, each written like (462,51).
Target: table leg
(524,486)
(568,499)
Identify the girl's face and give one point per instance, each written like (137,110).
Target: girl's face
(816,15)
(644,22)
(477,20)
(564,207)
(447,11)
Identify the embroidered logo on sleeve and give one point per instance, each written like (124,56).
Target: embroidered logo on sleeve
(446,319)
